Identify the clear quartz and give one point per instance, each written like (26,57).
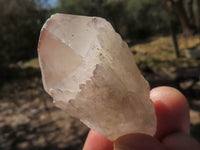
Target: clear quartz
(91,74)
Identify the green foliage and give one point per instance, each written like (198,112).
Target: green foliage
(21,21)
(135,20)
(20,24)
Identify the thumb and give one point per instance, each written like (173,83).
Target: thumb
(180,141)
(137,141)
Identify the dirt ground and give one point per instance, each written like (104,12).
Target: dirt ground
(29,120)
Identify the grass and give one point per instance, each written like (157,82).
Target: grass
(159,54)
(33,63)
(25,86)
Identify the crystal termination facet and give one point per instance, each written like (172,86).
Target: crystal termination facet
(91,74)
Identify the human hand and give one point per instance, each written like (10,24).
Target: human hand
(173,127)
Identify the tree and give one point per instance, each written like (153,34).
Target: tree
(178,9)
(135,20)
(191,12)
(198,5)
(21,21)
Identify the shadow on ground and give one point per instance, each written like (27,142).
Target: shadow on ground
(29,121)
(28,118)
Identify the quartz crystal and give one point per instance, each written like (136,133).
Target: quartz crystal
(90,73)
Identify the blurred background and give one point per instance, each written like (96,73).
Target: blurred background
(164,36)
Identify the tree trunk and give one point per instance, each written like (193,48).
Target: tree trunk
(198,5)
(181,13)
(191,12)
(174,39)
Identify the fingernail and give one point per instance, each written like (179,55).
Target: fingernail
(121,147)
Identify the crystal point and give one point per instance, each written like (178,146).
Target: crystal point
(91,74)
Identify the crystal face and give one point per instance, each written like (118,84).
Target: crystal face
(90,73)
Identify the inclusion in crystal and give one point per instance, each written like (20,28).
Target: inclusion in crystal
(91,74)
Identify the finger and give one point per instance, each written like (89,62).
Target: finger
(172,111)
(137,142)
(180,141)
(172,115)
(96,141)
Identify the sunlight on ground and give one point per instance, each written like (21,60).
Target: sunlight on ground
(163,44)
(33,63)
(159,54)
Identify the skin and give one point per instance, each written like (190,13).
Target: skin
(172,111)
